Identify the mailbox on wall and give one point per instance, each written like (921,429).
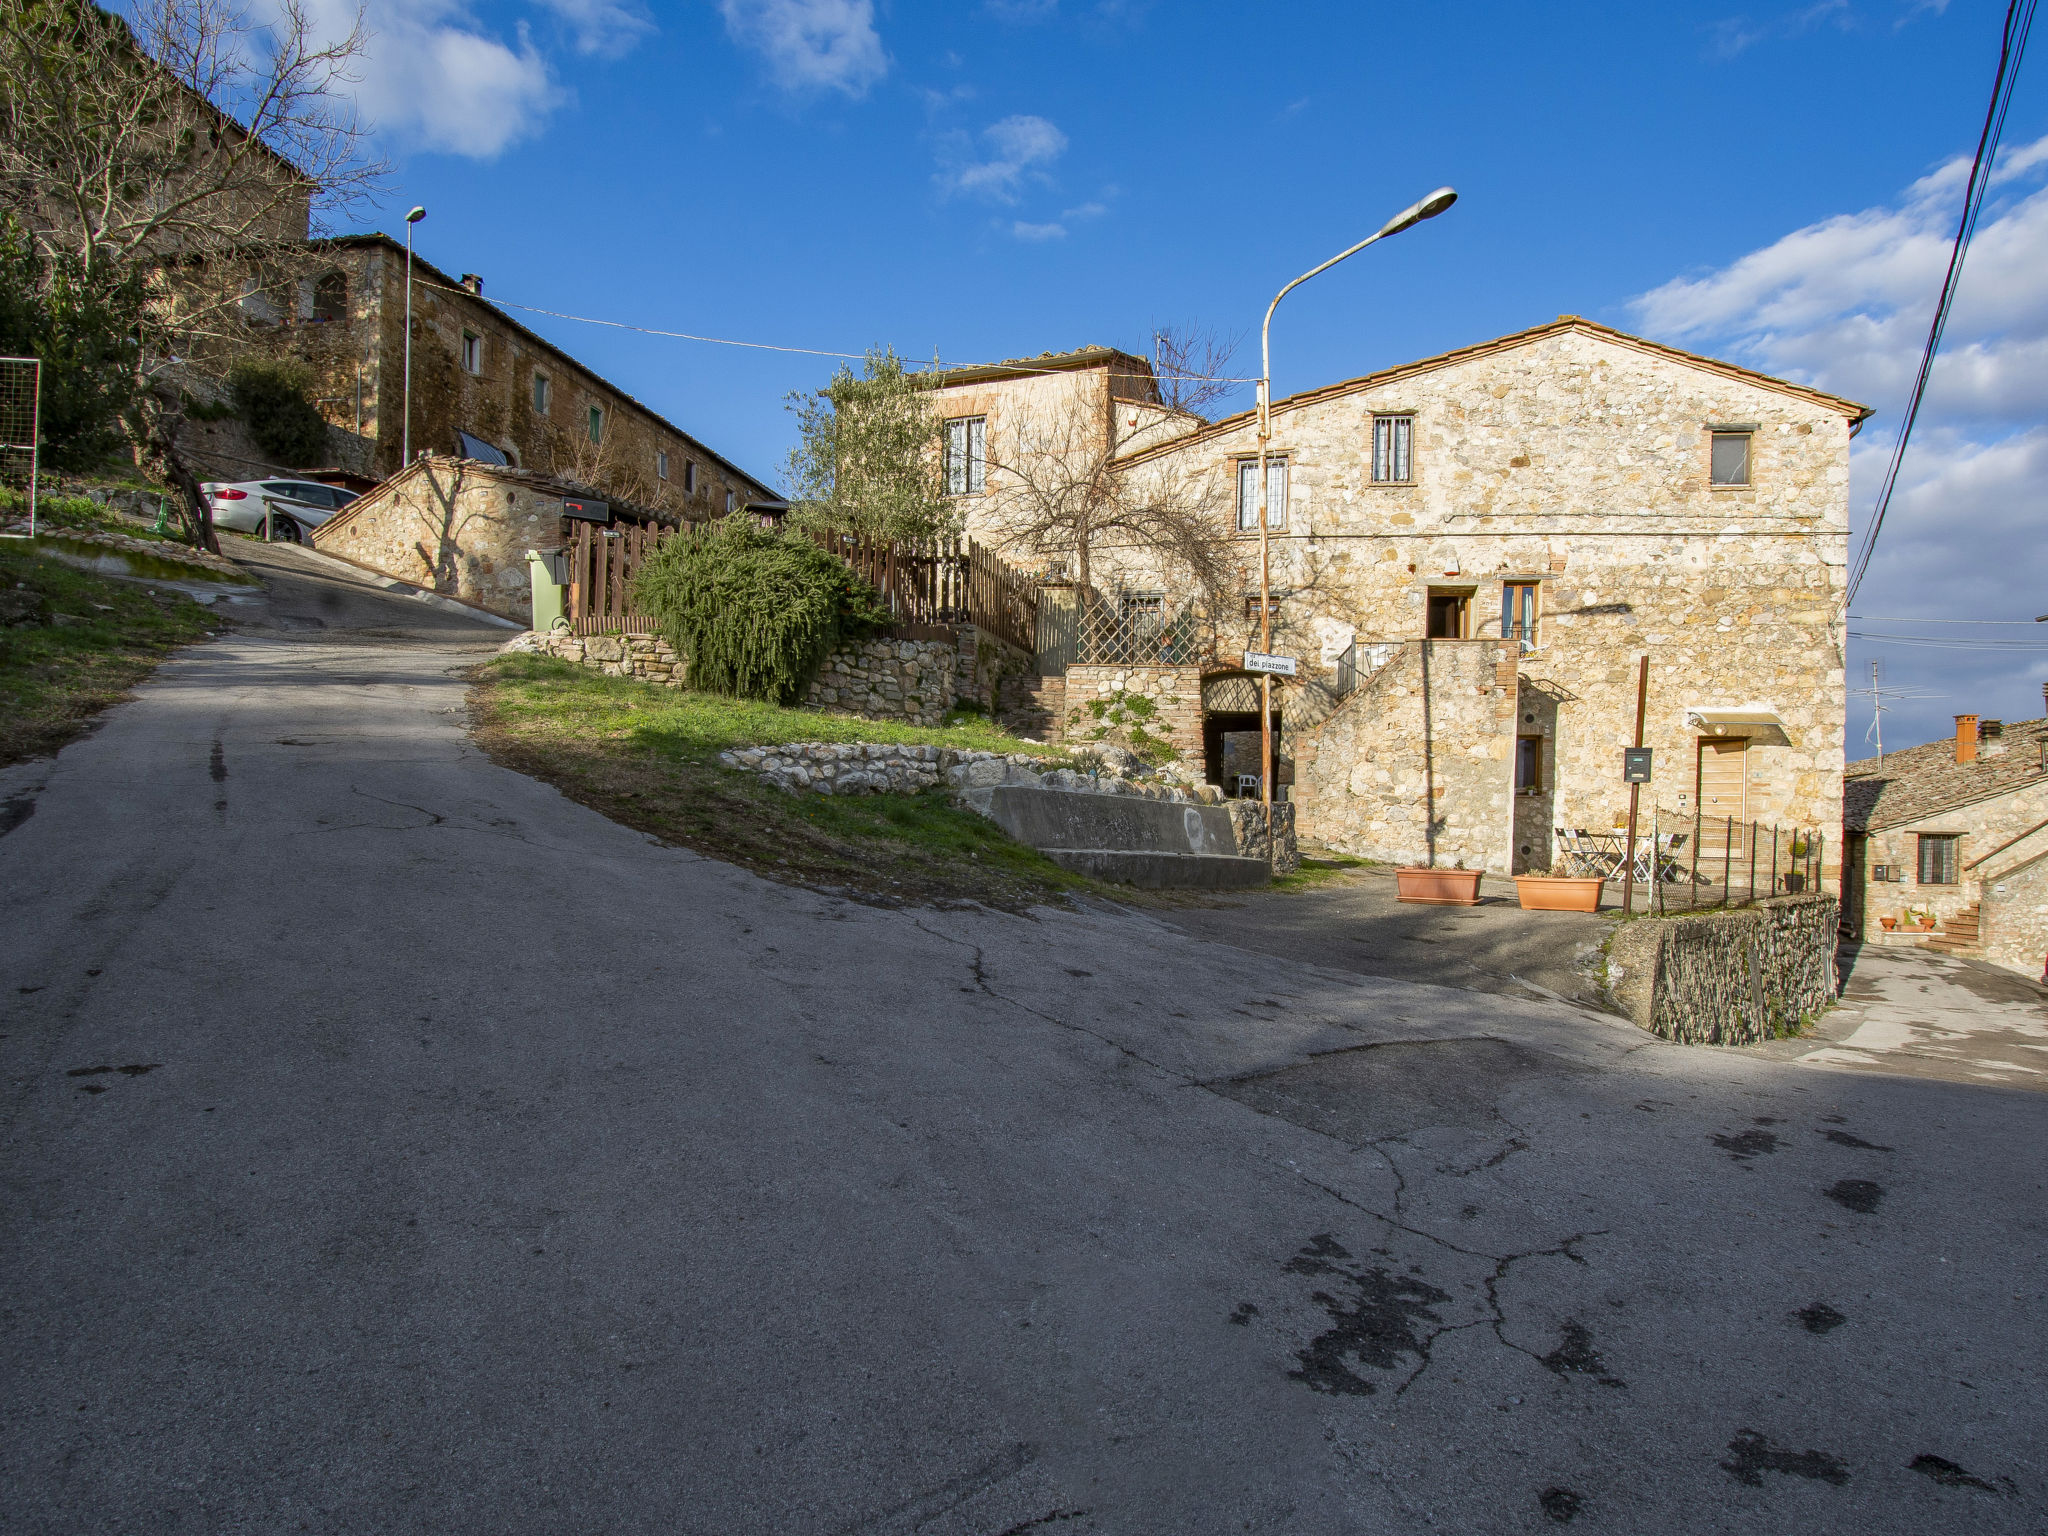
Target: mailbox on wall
(1635,765)
(588,511)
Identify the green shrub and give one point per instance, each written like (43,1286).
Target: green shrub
(754,613)
(270,395)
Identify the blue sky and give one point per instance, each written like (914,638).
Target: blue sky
(990,178)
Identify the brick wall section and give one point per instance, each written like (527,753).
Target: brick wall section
(1728,978)
(1438,718)
(1097,708)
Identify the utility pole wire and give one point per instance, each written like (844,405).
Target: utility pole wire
(2019,21)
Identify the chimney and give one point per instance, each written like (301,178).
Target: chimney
(1966,738)
(473,283)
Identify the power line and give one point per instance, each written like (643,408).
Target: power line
(1901,618)
(2019,21)
(764,346)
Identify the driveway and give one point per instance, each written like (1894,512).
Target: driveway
(392,1145)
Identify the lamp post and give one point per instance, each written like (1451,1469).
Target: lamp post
(1428,208)
(405,433)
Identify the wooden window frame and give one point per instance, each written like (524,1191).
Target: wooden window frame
(967,474)
(1464,595)
(661,463)
(1373,476)
(473,353)
(1926,843)
(594,424)
(1248,516)
(543,392)
(1534,786)
(1534,607)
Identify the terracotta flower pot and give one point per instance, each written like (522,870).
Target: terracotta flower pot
(1888,923)
(1559,893)
(1927,925)
(1438,887)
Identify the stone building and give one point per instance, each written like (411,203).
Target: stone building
(462,528)
(1957,829)
(484,386)
(1470,554)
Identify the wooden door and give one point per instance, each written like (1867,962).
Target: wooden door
(1724,780)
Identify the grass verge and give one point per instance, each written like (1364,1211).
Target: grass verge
(73,644)
(1319,870)
(647,756)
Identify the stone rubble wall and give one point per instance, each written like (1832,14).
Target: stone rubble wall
(1728,978)
(986,661)
(1255,840)
(1438,718)
(907,680)
(154,549)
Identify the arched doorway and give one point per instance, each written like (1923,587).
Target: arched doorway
(1230,735)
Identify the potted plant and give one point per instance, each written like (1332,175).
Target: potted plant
(1926,922)
(1560,893)
(1888,923)
(1433,887)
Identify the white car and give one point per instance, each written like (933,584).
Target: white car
(296,507)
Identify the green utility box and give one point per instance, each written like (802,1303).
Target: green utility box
(550,596)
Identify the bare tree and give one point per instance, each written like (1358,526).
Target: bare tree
(192,146)
(1192,366)
(1060,490)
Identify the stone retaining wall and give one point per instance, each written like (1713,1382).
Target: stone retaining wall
(1728,978)
(1154,710)
(908,680)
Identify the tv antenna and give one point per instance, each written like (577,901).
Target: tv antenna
(1877,693)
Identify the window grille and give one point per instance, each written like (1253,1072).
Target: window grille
(1937,859)
(1392,462)
(966,455)
(1248,494)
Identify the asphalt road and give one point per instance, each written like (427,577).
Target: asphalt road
(394,1146)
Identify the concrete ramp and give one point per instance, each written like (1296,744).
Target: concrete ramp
(1125,838)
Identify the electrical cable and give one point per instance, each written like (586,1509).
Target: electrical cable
(764,346)
(2019,21)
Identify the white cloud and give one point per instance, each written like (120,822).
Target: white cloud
(811,44)
(1038,232)
(1014,150)
(432,78)
(1845,304)
(607,28)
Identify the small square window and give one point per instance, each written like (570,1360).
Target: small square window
(1937,858)
(967,456)
(661,464)
(472,352)
(541,391)
(1730,464)
(1248,494)
(1448,615)
(597,423)
(1392,463)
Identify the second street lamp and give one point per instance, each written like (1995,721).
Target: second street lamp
(1428,208)
(405,432)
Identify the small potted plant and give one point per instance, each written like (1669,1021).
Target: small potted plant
(1926,921)
(1429,886)
(1888,923)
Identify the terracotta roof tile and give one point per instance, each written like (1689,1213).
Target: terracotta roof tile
(1925,780)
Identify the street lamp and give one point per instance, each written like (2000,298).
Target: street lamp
(1428,208)
(405,433)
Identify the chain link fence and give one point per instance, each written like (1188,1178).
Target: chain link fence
(20,404)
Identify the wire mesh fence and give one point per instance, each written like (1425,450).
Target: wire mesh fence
(1681,861)
(20,409)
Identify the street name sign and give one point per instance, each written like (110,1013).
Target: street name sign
(1259,661)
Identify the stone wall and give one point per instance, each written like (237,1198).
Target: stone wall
(1728,978)
(1258,839)
(888,680)
(2013,926)
(1433,728)
(907,680)
(1156,711)
(1979,828)
(986,661)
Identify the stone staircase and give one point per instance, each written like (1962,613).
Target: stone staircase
(1032,706)
(1959,935)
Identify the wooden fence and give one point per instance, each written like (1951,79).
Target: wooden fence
(954,581)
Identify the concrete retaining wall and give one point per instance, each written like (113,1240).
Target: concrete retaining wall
(1728,978)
